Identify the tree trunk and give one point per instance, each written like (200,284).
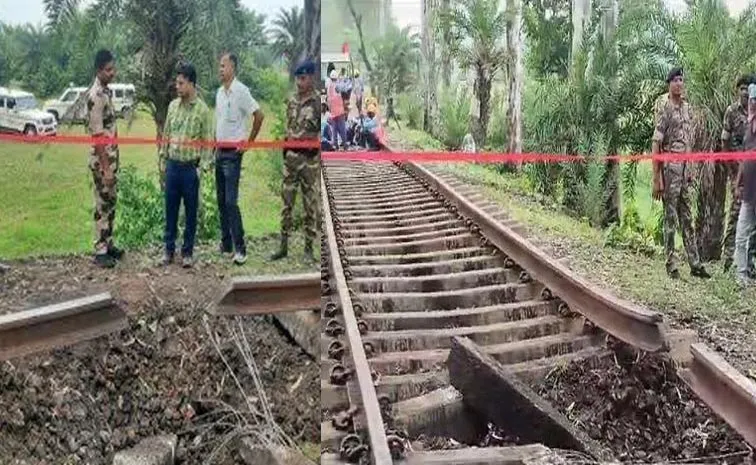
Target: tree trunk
(363,49)
(514,104)
(312,31)
(429,58)
(711,210)
(611,178)
(483,96)
(446,61)
(581,15)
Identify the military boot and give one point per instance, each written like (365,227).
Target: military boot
(283,251)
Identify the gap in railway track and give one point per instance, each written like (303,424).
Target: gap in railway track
(418,274)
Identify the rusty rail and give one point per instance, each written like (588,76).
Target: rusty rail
(379,449)
(40,329)
(624,320)
(731,395)
(269,294)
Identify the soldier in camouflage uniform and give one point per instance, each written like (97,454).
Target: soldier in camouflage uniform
(672,180)
(103,158)
(302,166)
(733,132)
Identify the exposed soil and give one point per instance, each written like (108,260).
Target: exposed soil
(161,376)
(641,409)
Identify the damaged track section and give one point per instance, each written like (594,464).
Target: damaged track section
(422,269)
(59,325)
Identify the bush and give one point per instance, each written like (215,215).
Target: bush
(410,109)
(498,127)
(454,117)
(140,213)
(632,233)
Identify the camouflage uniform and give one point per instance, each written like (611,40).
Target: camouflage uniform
(672,133)
(101,121)
(302,166)
(734,126)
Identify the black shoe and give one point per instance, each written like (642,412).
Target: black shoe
(674,274)
(115,252)
(727,265)
(700,272)
(104,261)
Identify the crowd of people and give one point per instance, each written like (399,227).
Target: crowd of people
(340,128)
(184,154)
(672,180)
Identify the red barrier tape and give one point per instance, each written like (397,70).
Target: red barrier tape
(89,140)
(421,157)
(488,157)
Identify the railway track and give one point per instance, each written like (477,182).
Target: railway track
(412,260)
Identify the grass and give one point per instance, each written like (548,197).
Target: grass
(48,201)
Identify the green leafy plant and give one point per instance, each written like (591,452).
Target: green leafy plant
(140,214)
(454,116)
(410,108)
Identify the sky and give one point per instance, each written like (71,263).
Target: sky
(24,11)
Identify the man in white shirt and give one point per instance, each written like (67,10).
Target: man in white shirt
(234,106)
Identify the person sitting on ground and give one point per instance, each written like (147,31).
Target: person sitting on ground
(746,192)
(326,131)
(370,126)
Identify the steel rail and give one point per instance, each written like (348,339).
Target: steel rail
(44,328)
(379,449)
(269,294)
(622,319)
(727,392)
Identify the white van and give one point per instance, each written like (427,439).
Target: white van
(19,113)
(123,101)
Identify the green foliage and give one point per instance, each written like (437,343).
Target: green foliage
(548,30)
(632,234)
(289,38)
(498,129)
(140,215)
(396,57)
(410,109)
(454,116)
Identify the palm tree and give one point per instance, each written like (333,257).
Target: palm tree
(480,29)
(395,56)
(288,36)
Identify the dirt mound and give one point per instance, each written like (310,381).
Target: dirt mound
(163,375)
(641,409)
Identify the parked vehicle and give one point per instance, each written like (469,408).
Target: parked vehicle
(19,113)
(67,107)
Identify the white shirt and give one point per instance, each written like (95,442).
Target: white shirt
(233,110)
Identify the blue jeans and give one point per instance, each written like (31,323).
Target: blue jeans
(744,233)
(227,174)
(181,183)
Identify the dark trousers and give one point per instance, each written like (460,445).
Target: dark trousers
(227,174)
(181,183)
(339,132)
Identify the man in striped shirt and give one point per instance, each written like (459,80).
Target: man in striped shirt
(189,120)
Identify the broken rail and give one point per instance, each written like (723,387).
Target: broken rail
(63,324)
(731,395)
